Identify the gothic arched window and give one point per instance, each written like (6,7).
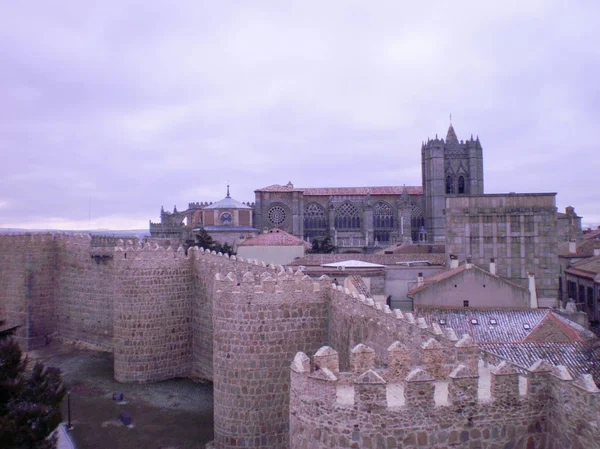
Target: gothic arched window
(461,184)
(347,217)
(383,221)
(315,220)
(417,221)
(449,185)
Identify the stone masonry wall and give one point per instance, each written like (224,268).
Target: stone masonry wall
(153,315)
(356,319)
(318,419)
(28,285)
(259,322)
(85,292)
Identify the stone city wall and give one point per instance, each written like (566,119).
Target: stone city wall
(380,410)
(356,319)
(150,304)
(85,291)
(28,286)
(259,322)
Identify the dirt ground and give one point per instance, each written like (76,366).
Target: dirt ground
(175,414)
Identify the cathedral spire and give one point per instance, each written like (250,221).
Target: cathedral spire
(451,136)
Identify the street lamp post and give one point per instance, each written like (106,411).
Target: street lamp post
(69,408)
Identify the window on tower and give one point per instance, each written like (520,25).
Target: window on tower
(449,185)
(461,185)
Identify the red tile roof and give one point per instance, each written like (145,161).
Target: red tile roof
(279,188)
(593,234)
(584,249)
(274,237)
(588,268)
(332,191)
(383,190)
(414,248)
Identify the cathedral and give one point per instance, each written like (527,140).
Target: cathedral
(355,219)
(518,231)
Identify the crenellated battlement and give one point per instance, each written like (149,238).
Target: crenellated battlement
(362,375)
(467,407)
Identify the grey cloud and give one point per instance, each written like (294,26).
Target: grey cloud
(138,104)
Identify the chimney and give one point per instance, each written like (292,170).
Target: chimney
(493,265)
(453,261)
(533,300)
(572,246)
(420,280)
(469,263)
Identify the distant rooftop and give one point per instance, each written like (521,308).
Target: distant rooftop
(274,237)
(333,191)
(227,203)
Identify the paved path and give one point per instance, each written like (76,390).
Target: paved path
(64,439)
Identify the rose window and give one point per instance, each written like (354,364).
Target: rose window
(277,215)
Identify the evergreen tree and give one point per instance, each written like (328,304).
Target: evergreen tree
(224,248)
(205,240)
(322,246)
(29,404)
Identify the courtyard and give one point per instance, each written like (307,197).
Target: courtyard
(173,414)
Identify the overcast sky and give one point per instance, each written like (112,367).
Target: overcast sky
(110,109)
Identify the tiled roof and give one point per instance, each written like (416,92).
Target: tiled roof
(574,355)
(333,191)
(279,188)
(383,259)
(593,234)
(384,190)
(509,328)
(509,337)
(274,237)
(584,249)
(511,325)
(451,272)
(588,268)
(413,248)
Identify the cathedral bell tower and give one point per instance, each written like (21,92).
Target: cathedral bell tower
(449,168)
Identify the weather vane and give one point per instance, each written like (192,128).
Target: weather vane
(450,117)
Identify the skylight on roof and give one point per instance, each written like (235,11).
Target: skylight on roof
(526,326)
(442,321)
(474,321)
(493,321)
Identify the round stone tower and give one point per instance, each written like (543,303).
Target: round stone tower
(259,324)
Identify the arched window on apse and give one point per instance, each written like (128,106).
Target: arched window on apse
(315,220)
(383,221)
(347,217)
(417,221)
